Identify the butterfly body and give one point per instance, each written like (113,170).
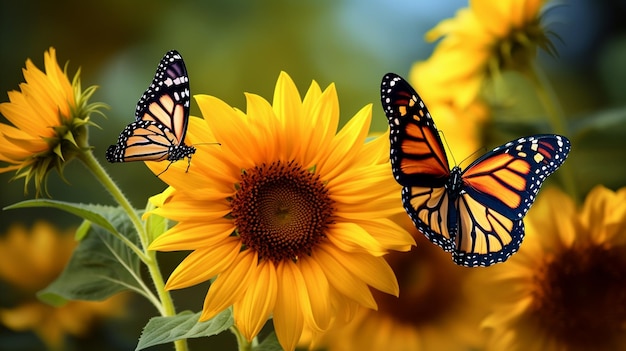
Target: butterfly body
(477,212)
(161,118)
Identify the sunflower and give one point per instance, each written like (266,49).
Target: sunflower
(437,299)
(482,40)
(564,290)
(31,259)
(48,117)
(289,214)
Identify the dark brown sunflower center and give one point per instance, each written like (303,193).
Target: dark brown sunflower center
(428,286)
(281,210)
(580,297)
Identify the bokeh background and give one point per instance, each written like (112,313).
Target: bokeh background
(236,46)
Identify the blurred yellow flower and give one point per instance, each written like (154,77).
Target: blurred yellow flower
(461,128)
(31,259)
(291,216)
(49,116)
(482,40)
(436,309)
(565,289)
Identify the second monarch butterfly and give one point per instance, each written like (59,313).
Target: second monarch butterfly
(476,213)
(161,118)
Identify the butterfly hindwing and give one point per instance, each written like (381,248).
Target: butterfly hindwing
(161,118)
(484,235)
(476,214)
(498,190)
(429,209)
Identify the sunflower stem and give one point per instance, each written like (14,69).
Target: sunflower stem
(242,343)
(165,304)
(551,105)
(100,173)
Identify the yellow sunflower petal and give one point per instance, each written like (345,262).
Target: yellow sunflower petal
(388,233)
(372,270)
(350,237)
(252,311)
(324,120)
(263,117)
(288,316)
(318,291)
(190,236)
(230,286)
(229,129)
(346,143)
(203,264)
(341,278)
(183,207)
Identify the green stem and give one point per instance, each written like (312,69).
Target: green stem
(165,305)
(96,168)
(550,103)
(242,343)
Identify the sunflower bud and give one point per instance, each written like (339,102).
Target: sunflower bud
(49,119)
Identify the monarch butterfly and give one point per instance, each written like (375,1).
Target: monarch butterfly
(476,213)
(161,118)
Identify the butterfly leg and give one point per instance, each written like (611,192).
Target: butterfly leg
(166,168)
(188,164)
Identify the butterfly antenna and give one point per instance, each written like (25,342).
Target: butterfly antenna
(445,142)
(482,149)
(213,143)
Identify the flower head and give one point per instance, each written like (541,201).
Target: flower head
(482,40)
(564,290)
(291,216)
(49,116)
(31,259)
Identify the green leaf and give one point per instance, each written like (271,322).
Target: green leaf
(598,146)
(270,343)
(84,211)
(185,325)
(605,120)
(101,265)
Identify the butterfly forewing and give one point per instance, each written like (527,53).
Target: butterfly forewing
(166,100)
(417,153)
(508,178)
